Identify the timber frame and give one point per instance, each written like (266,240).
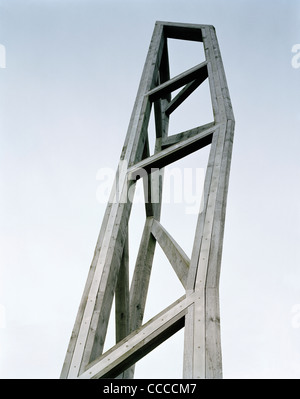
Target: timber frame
(198,310)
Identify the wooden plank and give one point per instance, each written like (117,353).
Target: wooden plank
(199,339)
(101,294)
(155,183)
(171,154)
(141,276)
(79,317)
(147,337)
(164,69)
(176,138)
(205,338)
(148,79)
(212,247)
(151,191)
(89,314)
(219,218)
(122,302)
(218,105)
(213,76)
(177,257)
(210,212)
(181,31)
(210,70)
(213,355)
(122,296)
(217,147)
(91,324)
(196,344)
(217,59)
(188,355)
(197,72)
(208,346)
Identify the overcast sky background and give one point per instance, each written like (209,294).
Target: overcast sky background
(66,96)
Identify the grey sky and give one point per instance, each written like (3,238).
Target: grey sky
(71,76)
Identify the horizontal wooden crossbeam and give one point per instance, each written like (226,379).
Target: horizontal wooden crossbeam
(171,154)
(197,72)
(192,32)
(176,138)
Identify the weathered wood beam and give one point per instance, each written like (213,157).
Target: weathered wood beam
(140,342)
(220,97)
(161,119)
(177,257)
(203,322)
(171,154)
(197,72)
(91,323)
(79,317)
(198,238)
(149,193)
(153,185)
(213,276)
(207,277)
(192,32)
(122,302)
(164,69)
(141,276)
(195,322)
(122,296)
(176,138)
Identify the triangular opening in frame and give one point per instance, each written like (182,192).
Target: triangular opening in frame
(165,361)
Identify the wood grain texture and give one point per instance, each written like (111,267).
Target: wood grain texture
(198,310)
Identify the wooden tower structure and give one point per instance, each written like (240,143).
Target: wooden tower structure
(198,310)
